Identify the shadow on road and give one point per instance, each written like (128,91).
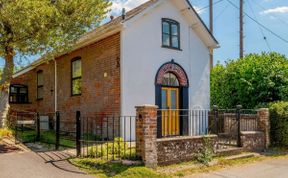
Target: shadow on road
(59,159)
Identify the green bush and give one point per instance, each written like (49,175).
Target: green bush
(256,79)
(117,148)
(205,155)
(279,123)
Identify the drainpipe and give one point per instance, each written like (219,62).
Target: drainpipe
(189,78)
(55,85)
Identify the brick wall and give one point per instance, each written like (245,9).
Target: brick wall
(30,79)
(100,82)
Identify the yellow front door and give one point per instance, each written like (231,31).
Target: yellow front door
(170,112)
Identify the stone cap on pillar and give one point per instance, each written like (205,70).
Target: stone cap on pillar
(148,106)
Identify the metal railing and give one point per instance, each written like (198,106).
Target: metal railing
(107,137)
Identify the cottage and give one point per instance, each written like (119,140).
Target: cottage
(157,53)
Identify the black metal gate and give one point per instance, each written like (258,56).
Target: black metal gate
(226,124)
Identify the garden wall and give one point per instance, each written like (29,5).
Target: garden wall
(179,149)
(253,140)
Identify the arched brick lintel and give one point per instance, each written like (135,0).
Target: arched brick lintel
(174,68)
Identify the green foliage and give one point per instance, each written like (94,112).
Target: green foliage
(255,79)
(101,168)
(205,155)
(118,147)
(31,26)
(279,123)
(5,133)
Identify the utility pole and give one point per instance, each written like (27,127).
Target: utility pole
(211,30)
(241,30)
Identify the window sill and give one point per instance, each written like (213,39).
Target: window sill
(76,95)
(168,47)
(39,99)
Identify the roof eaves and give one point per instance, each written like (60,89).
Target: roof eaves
(202,22)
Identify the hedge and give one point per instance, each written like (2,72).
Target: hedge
(279,123)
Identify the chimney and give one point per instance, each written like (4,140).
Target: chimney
(123,14)
(111,17)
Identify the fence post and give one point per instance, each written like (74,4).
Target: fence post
(78,133)
(238,116)
(57,141)
(215,110)
(264,124)
(146,134)
(38,127)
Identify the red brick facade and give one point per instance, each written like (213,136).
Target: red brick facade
(100,81)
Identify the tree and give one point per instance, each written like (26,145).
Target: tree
(256,79)
(29,27)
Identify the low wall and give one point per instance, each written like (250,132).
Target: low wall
(253,140)
(179,149)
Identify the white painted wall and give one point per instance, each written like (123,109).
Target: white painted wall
(142,56)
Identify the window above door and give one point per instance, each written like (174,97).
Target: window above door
(170,34)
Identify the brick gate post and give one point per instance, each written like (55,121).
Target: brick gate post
(146,134)
(264,124)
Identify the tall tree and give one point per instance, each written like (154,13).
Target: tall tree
(29,27)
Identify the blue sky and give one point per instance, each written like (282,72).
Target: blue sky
(273,14)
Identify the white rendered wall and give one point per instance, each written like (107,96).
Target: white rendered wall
(142,56)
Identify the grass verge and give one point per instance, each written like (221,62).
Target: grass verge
(101,168)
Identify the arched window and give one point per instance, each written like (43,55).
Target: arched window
(169,79)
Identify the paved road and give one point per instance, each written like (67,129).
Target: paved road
(37,165)
(276,168)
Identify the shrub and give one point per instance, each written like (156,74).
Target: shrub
(205,155)
(255,79)
(279,123)
(5,133)
(117,148)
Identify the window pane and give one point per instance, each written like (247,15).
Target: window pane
(22,99)
(23,90)
(170,79)
(13,98)
(13,90)
(40,93)
(40,80)
(174,29)
(166,40)
(76,69)
(76,87)
(165,27)
(164,99)
(175,42)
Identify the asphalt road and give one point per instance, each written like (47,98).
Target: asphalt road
(275,168)
(37,165)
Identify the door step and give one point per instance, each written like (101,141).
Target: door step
(242,156)
(229,151)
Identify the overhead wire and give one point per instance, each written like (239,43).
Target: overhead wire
(274,16)
(260,29)
(260,24)
(205,7)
